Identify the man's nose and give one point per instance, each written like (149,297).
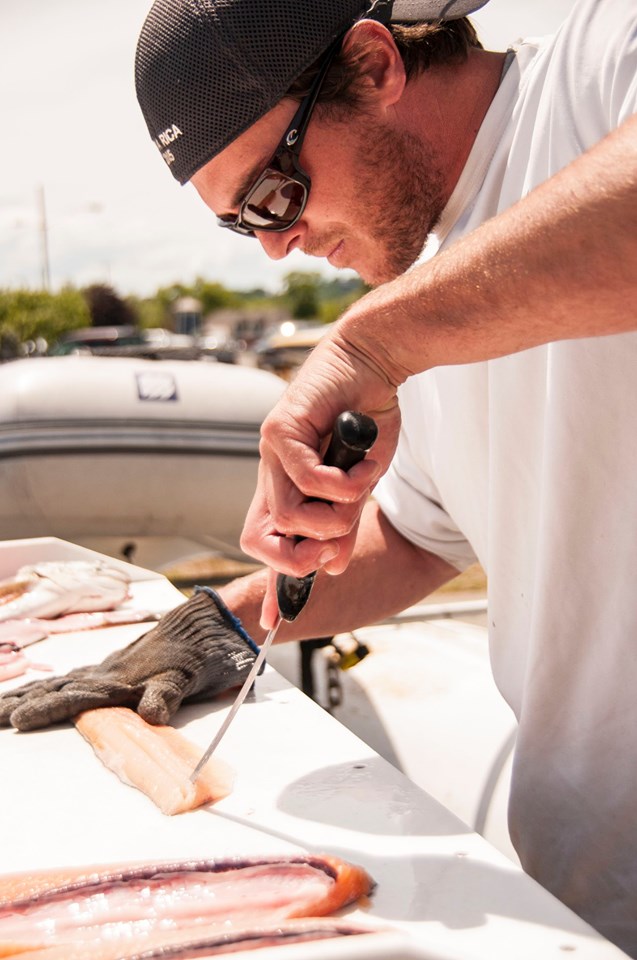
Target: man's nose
(279,245)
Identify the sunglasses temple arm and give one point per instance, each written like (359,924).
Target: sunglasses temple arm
(298,127)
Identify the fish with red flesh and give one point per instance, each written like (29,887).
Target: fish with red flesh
(108,913)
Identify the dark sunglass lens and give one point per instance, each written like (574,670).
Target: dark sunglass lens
(274,201)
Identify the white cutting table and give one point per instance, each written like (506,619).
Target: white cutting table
(303,783)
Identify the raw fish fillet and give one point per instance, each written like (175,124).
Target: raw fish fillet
(188,944)
(13,662)
(93,620)
(31,629)
(16,634)
(157,760)
(72,586)
(22,633)
(173,910)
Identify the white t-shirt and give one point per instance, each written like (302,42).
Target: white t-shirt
(528,463)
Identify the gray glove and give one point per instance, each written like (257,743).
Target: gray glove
(196,651)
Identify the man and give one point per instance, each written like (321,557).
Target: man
(517,449)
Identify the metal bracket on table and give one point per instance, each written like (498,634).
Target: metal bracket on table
(306,651)
(337,660)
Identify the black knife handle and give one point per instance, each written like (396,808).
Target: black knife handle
(353,436)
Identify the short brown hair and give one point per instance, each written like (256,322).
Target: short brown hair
(421,45)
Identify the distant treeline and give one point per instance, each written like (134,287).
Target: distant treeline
(35,316)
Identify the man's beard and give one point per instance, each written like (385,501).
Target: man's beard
(399,199)
(404,186)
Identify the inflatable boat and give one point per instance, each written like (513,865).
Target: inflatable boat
(153,461)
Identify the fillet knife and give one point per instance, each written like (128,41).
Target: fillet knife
(353,435)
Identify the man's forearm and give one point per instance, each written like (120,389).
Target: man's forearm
(560,264)
(386,574)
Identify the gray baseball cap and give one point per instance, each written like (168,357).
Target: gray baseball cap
(206,70)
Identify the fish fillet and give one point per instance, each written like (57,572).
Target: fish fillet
(157,760)
(32,629)
(54,588)
(176,910)
(205,942)
(14,664)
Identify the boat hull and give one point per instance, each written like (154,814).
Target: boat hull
(121,454)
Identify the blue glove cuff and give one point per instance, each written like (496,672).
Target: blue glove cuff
(230,618)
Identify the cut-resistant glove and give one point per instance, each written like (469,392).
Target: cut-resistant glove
(196,651)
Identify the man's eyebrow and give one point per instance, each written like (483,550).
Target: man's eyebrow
(248,180)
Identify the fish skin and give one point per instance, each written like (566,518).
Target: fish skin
(248,939)
(157,760)
(18,891)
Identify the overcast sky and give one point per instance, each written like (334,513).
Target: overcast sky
(72,130)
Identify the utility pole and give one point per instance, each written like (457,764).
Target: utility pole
(44,241)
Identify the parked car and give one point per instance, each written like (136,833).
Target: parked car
(155,343)
(283,353)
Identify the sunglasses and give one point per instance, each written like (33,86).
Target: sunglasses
(277,198)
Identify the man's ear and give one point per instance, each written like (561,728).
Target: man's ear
(371,47)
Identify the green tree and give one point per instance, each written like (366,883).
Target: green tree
(29,314)
(213,296)
(150,311)
(166,296)
(301,294)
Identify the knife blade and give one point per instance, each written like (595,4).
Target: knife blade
(352,437)
(243,692)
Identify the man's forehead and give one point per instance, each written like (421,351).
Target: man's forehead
(232,172)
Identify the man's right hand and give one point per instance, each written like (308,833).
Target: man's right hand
(297,495)
(196,651)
